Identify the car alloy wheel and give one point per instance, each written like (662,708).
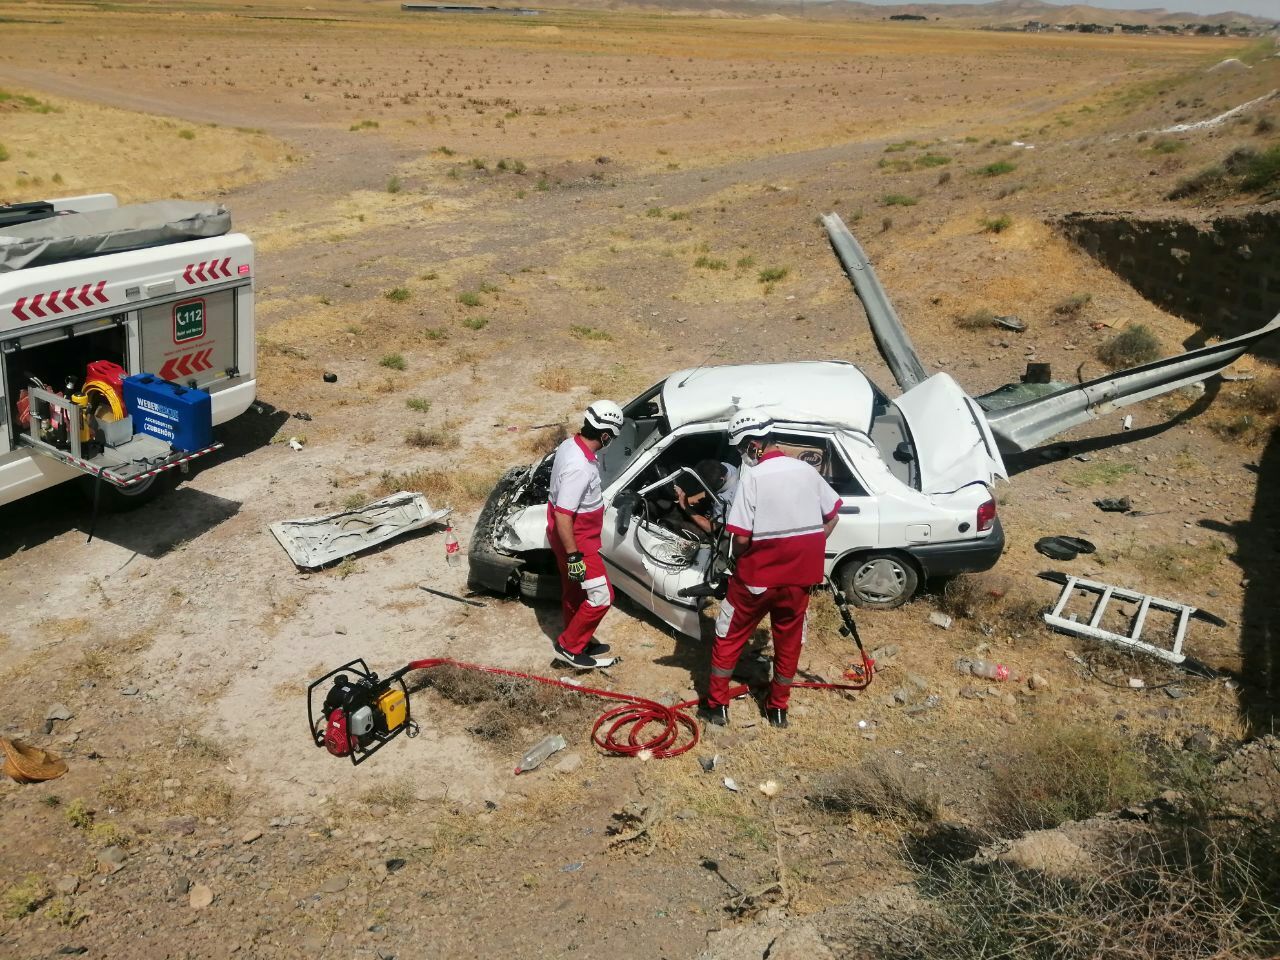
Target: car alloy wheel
(881,580)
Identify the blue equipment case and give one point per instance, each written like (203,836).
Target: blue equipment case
(180,416)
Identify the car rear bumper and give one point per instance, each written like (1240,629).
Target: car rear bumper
(962,556)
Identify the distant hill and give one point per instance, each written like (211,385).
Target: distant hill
(1000,13)
(1018,12)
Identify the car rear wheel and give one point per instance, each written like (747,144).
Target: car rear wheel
(878,581)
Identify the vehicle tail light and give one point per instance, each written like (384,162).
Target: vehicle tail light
(986,515)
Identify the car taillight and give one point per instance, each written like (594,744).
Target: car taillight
(986,515)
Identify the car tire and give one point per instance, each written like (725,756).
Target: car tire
(539,586)
(112,499)
(878,581)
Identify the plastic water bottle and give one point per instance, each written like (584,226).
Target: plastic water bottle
(985,668)
(452,550)
(539,752)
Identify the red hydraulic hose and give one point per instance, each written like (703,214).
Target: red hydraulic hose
(621,729)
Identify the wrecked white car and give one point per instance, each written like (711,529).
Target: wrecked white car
(915,473)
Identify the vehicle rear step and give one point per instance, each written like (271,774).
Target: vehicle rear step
(124,465)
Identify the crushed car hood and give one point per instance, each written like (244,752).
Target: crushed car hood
(954,446)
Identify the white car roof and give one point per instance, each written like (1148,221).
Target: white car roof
(818,391)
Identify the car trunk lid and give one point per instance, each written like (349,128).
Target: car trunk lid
(953,444)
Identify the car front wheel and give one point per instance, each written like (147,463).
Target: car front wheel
(878,581)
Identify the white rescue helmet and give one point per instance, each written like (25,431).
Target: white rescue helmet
(605,415)
(749,424)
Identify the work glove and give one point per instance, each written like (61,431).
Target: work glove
(576,567)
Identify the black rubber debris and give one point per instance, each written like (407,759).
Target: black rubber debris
(1114,504)
(1055,549)
(1080,543)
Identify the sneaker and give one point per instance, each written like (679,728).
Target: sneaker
(777,716)
(595,648)
(583,661)
(714,713)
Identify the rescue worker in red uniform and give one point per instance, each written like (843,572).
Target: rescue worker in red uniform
(575,519)
(780,519)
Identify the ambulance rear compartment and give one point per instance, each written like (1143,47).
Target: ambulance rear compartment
(56,357)
(190,339)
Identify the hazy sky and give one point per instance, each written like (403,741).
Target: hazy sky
(1259,8)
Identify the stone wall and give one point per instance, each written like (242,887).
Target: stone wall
(1223,275)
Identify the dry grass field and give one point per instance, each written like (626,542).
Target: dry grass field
(479,224)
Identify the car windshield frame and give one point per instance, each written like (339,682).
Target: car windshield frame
(644,424)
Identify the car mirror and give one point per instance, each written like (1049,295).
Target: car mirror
(625,504)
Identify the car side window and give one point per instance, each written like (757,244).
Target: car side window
(823,455)
(841,476)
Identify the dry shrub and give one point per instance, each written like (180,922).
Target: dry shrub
(555,379)
(967,598)
(882,786)
(442,487)
(1054,773)
(989,605)
(210,797)
(507,705)
(1072,306)
(977,320)
(396,794)
(433,438)
(1184,890)
(1263,396)
(1131,346)
(1253,413)
(465,687)
(538,443)
(24,897)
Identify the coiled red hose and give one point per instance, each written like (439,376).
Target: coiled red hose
(621,729)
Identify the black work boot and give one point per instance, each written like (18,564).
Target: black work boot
(717,714)
(777,716)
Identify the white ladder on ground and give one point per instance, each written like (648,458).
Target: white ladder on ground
(1106,592)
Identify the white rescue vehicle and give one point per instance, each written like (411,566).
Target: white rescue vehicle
(92,295)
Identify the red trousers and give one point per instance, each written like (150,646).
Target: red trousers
(740,613)
(583,604)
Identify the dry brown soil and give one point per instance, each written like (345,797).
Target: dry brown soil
(608,186)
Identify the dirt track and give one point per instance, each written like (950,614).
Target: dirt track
(193,607)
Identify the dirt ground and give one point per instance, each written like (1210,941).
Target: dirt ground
(530,213)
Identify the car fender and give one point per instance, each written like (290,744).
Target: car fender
(524,530)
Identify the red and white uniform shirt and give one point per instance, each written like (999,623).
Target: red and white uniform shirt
(575,491)
(782,504)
